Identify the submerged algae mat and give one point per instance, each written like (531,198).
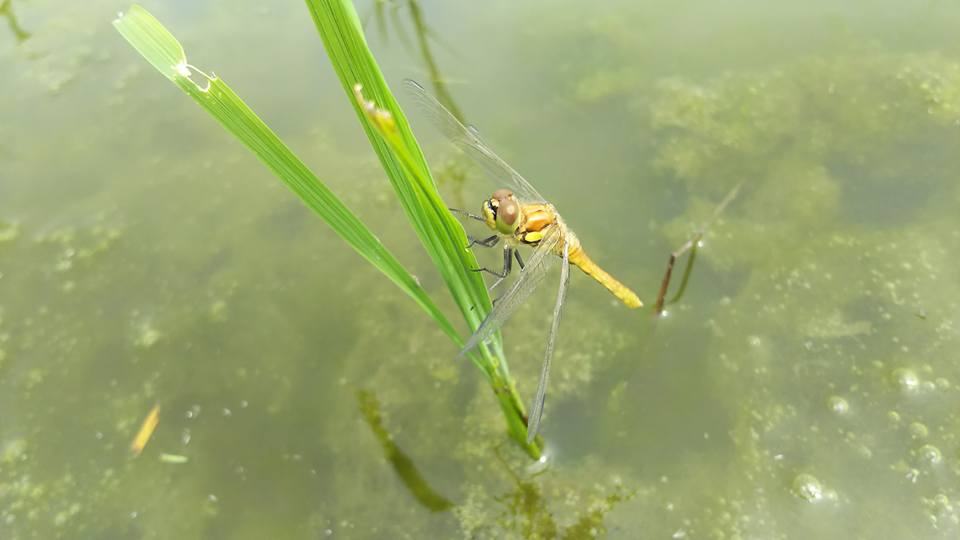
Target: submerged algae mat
(838,337)
(821,327)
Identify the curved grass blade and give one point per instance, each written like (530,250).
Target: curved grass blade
(159,47)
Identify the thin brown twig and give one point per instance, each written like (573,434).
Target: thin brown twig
(690,244)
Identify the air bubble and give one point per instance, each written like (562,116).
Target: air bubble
(906,379)
(808,487)
(929,454)
(838,405)
(918,430)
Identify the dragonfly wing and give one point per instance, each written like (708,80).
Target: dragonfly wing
(530,277)
(468,140)
(536,411)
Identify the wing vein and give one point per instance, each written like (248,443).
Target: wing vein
(468,140)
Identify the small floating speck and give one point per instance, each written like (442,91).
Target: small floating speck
(193,412)
(175,459)
(912,475)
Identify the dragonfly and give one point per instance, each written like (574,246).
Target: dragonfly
(519,216)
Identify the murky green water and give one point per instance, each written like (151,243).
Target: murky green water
(807,385)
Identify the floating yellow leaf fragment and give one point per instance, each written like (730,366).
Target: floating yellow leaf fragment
(146,430)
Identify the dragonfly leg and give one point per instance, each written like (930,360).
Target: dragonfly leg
(466,214)
(507,266)
(488,242)
(516,253)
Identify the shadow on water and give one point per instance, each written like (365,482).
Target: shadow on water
(6,11)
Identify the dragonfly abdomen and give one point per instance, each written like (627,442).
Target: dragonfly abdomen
(579,258)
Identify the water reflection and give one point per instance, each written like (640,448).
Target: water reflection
(526,510)
(398,459)
(423,35)
(450,174)
(6,11)
(690,246)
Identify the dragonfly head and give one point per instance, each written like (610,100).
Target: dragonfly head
(501,211)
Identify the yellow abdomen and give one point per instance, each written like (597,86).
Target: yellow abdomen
(579,258)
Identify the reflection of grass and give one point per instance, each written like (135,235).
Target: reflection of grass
(527,513)
(454,178)
(423,33)
(6,11)
(400,461)
(389,133)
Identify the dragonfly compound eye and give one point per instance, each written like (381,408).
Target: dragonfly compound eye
(507,216)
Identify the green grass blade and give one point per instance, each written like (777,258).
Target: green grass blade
(440,233)
(159,47)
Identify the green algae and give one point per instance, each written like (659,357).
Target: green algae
(830,285)
(797,350)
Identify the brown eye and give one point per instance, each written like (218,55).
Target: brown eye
(508,211)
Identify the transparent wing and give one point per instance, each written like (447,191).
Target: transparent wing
(468,140)
(536,410)
(530,277)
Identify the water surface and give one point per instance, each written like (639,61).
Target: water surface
(805,385)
